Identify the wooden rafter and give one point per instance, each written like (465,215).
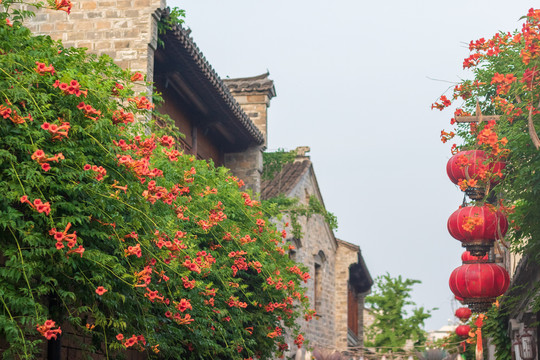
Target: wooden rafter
(479,117)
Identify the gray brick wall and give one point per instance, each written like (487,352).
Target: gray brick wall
(123,29)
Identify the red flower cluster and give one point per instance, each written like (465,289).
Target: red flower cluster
(43,160)
(119,116)
(79,250)
(445,136)
(133,340)
(188,284)
(101,290)
(137,77)
(43,69)
(134,250)
(183,305)
(89,111)
(154,295)
(100,171)
(47,330)
(8,113)
(57,132)
(73,88)
(443,104)
(276,332)
(63,236)
(142,103)
(504,82)
(487,136)
(173,154)
(299,340)
(5,112)
(167,141)
(38,205)
(233,302)
(531,35)
(64,5)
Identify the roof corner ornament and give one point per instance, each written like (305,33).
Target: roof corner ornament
(302,150)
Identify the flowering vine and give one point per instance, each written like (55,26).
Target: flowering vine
(109,229)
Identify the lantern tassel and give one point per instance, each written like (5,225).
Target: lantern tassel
(479,348)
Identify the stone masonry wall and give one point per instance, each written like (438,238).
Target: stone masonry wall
(317,237)
(123,29)
(256,107)
(248,166)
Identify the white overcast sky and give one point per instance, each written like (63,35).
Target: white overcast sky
(354,82)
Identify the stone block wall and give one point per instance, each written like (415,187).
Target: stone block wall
(318,246)
(123,29)
(248,166)
(256,106)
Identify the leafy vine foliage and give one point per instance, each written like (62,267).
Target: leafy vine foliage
(273,163)
(108,229)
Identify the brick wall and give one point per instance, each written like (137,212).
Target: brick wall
(123,29)
(256,107)
(248,166)
(318,239)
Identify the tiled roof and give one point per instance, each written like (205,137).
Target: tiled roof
(179,38)
(254,84)
(285,180)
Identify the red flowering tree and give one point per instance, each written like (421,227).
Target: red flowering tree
(505,82)
(107,229)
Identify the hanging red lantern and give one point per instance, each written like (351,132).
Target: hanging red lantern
(479,284)
(463,314)
(466,257)
(477,227)
(463,331)
(475,165)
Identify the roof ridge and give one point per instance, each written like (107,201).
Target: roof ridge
(248,78)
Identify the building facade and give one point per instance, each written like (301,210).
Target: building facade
(224,121)
(339,277)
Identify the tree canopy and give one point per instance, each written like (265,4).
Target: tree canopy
(393,326)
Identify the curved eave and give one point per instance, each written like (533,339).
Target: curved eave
(180,63)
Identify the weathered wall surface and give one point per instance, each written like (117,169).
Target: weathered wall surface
(318,248)
(123,29)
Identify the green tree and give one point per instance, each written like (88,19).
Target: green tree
(393,327)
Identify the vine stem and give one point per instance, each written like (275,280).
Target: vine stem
(18,327)
(23,271)
(28,91)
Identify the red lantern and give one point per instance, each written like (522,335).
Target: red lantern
(466,257)
(463,331)
(479,284)
(477,227)
(463,314)
(474,164)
